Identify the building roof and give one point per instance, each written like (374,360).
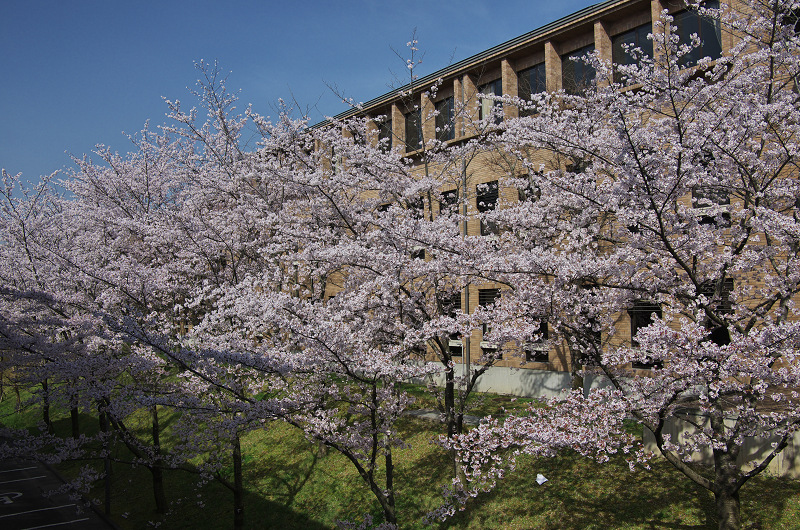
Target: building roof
(590,12)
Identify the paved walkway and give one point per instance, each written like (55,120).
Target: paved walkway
(23,505)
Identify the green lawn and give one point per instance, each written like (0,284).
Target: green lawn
(293,483)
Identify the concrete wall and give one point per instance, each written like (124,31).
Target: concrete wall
(785,464)
(517,381)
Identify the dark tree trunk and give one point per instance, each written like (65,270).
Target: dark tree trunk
(104,428)
(76,426)
(46,407)
(156,470)
(389,511)
(726,490)
(238,487)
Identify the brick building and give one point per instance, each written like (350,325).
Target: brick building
(545,59)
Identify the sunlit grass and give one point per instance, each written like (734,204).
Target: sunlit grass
(293,483)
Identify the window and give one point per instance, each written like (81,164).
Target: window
(450,304)
(530,192)
(487,297)
(537,351)
(487,106)
(792,18)
(445,126)
(689,22)
(417,206)
(704,197)
(413,130)
(718,334)
(635,38)
(531,81)
(641,315)
(487,196)
(577,75)
(448,203)
(385,135)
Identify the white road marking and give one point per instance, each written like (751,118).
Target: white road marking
(38,510)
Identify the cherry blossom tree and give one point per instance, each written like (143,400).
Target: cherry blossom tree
(669,201)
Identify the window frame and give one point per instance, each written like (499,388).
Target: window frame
(525,89)
(413,130)
(576,66)
(641,315)
(487,297)
(486,201)
(703,25)
(638,38)
(445,126)
(538,351)
(385,132)
(487,106)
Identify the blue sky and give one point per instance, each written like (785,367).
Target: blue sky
(83,72)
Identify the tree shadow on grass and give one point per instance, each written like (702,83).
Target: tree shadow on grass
(581,494)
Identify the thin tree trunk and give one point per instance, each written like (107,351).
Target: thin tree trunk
(76,427)
(449,413)
(238,488)
(156,470)
(104,428)
(389,511)
(46,407)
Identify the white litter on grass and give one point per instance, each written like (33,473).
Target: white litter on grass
(540,479)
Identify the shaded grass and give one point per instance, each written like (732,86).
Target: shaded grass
(293,483)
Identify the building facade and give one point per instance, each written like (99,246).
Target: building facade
(462,107)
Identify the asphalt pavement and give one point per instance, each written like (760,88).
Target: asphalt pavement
(25,506)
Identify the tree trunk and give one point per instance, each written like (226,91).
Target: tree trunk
(726,480)
(46,407)
(156,470)
(389,509)
(449,412)
(76,427)
(728,508)
(104,428)
(238,488)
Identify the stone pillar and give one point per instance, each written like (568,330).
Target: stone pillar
(602,43)
(427,119)
(458,107)
(552,65)
(510,88)
(656,7)
(398,127)
(470,104)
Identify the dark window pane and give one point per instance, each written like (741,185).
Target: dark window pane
(448,203)
(641,315)
(577,76)
(537,352)
(718,333)
(635,38)
(445,126)
(486,197)
(413,131)
(531,81)
(708,30)
(449,304)
(385,134)
(495,88)
(487,296)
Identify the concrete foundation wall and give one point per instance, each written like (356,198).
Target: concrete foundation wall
(516,381)
(785,464)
